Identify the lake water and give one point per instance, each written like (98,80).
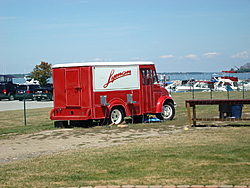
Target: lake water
(176,76)
(201,76)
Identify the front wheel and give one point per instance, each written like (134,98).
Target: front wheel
(168,112)
(116,115)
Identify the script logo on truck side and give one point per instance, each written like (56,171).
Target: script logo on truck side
(113,77)
(116,78)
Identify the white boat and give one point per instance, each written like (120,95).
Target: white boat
(244,85)
(226,82)
(29,80)
(171,87)
(203,86)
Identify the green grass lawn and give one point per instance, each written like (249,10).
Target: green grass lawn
(12,122)
(200,155)
(197,156)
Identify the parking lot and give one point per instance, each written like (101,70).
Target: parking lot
(19,105)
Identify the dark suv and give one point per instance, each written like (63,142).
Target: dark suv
(7,91)
(45,92)
(25,90)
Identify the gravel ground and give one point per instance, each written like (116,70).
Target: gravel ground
(55,141)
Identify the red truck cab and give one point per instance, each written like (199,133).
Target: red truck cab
(108,91)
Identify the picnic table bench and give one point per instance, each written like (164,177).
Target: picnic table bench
(192,103)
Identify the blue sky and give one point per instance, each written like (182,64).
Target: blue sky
(178,35)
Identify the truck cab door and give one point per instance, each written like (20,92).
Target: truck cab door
(147,89)
(73,89)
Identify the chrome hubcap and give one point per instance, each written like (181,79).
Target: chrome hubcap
(166,111)
(116,116)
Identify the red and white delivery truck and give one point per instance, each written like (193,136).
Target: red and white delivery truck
(108,91)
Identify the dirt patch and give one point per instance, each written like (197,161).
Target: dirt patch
(55,141)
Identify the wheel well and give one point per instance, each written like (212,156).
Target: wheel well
(168,100)
(119,106)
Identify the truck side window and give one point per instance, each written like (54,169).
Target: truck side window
(147,76)
(151,77)
(155,77)
(143,77)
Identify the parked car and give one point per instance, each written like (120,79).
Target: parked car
(7,91)
(7,87)
(25,90)
(45,92)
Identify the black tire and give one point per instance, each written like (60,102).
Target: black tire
(11,97)
(51,98)
(116,115)
(61,124)
(168,112)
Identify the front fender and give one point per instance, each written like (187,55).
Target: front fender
(161,101)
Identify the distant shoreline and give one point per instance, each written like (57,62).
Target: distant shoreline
(162,73)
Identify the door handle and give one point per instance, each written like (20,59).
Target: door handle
(77,89)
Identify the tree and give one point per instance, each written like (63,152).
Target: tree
(42,72)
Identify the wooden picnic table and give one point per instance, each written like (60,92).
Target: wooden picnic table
(194,102)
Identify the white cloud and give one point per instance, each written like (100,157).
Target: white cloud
(192,56)
(166,56)
(243,55)
(180,57)
(98,59)
(103,60)
(138,58)
(211,54)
